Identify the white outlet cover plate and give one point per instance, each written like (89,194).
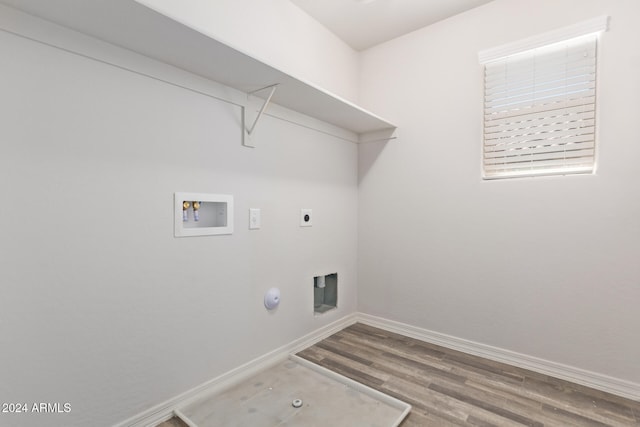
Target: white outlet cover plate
(255,219)
(306,217)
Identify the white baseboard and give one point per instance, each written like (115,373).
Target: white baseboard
(162,412)
(594,380)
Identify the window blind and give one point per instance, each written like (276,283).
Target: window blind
(539,111)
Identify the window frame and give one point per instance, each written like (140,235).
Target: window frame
(542,45)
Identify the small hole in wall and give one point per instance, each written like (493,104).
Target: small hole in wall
(325,293)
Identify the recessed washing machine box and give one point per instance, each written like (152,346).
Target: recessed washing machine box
(202,214)
(325,293)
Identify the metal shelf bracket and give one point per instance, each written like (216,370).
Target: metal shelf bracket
(248,130)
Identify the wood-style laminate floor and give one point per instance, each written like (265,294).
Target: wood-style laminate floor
(450,388)
(173,422)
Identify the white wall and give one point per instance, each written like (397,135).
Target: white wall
(547,267)
(101,306)
(277,33)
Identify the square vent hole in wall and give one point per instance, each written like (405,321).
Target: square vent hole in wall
(201,214)
(325,293)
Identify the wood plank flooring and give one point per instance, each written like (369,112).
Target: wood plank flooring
(450,388)
(173,422)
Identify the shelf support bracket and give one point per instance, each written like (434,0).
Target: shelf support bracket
(248,131)
(383,135)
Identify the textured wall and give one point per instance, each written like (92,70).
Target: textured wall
(547,267)
(101,306)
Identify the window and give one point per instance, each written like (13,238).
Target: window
(540,104)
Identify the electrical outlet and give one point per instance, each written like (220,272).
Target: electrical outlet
(306,217)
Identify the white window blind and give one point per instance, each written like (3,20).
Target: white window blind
(539,111)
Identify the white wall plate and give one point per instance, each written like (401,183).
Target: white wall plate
(306,217)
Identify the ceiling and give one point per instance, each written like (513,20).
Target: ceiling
(365,23)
